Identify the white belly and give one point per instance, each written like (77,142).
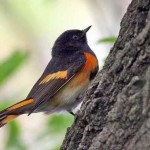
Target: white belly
(66,99)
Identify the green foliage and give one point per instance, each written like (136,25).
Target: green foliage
(56,128)
(107,40)
(14,138)
(9,66)
(4,104)
(59,123)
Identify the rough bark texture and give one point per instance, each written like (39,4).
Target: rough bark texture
(115,114)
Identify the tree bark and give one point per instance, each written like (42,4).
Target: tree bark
(115,114)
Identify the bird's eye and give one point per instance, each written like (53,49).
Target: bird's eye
(75,37)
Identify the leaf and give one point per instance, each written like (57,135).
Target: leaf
(107,40)
(58,123)
(10,65)
(7,68)
(4,104)
(14,137)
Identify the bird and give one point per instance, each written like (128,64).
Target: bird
(72,67)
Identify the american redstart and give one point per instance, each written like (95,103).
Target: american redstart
(67,75)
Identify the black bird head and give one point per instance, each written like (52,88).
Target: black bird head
(70,41)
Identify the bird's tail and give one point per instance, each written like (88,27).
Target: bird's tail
(14,111)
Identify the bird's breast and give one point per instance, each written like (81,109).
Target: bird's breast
(78,84)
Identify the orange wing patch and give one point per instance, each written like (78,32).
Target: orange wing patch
(18,105)
(57,75)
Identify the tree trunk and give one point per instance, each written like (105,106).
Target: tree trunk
(115,114)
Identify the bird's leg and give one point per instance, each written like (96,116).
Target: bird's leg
(71,113)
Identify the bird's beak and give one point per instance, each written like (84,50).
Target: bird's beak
(86,30)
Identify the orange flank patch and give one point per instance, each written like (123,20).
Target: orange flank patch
(82,77)
(20,104)
(91,62)
(57,75)
(9,118)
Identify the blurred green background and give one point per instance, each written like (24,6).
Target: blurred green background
(28,29)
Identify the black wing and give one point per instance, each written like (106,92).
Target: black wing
(57,74)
